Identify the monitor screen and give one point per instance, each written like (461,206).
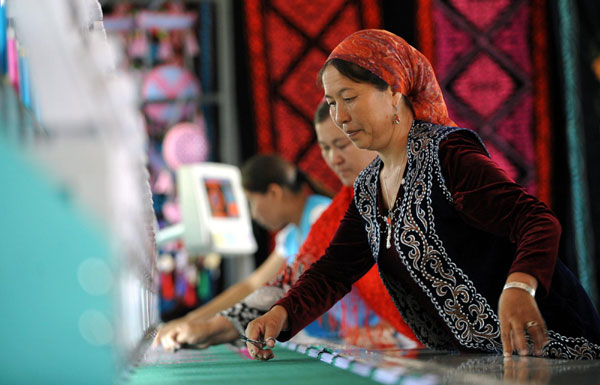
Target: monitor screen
(220,198)
(214,210)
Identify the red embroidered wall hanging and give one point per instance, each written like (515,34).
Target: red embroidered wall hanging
(288,42)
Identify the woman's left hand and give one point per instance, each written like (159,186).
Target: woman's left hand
(519,314)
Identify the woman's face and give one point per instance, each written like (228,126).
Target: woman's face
(363,112)
(265,208)
(342,157)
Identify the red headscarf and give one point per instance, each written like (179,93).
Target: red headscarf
(401,66)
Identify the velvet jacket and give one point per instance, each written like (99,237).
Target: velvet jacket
(460,226)
(351,326)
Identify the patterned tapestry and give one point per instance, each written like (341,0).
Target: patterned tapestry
(489,57)
(288,42)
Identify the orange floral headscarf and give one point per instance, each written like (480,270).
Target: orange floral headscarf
(401,66)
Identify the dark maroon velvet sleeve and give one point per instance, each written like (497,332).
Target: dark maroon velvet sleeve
(347,258)
(489,199)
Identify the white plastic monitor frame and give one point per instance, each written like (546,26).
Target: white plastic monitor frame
(204,232)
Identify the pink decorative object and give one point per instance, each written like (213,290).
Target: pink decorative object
(185,143)
(171,212)
(13,60)
(164,183)
(139,46)
(170,94)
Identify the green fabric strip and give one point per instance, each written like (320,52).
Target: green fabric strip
(225,365)
(584,247)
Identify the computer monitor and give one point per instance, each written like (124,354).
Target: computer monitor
(214,210)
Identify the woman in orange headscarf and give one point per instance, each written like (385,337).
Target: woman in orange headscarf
(460,247)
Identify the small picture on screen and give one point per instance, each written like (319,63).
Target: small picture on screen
(220,198)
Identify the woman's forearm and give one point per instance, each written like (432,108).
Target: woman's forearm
(220,331)
(225,300)
(236,293)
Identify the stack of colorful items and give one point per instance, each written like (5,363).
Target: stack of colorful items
(161,46)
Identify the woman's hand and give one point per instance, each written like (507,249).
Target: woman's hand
(197,332)
(519,314)
(167,334)
(266,328)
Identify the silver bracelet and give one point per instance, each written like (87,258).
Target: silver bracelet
(520,285)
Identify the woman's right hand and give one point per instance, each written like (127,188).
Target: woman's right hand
(266,328)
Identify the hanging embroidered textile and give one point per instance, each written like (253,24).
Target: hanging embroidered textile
(288,42)
(490,60)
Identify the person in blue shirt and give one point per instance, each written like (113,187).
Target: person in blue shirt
(282,198)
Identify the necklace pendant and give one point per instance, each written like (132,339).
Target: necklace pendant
(388,242)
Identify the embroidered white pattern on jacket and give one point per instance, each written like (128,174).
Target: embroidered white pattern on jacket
(454,296)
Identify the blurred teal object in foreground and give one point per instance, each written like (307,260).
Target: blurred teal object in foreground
(56,324)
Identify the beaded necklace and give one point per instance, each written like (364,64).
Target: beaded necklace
(389,217)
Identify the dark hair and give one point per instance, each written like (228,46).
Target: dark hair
(322,113)
(353,72)
(261,170)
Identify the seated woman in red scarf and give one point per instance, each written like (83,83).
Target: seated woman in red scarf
(467,255)
(349,319)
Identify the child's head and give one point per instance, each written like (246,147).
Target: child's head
(269,181)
